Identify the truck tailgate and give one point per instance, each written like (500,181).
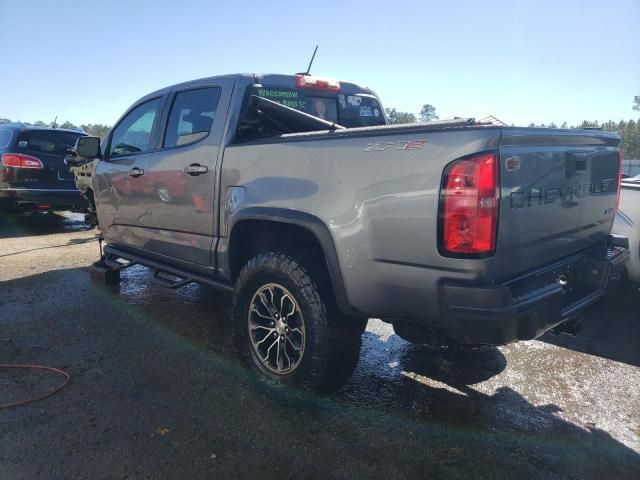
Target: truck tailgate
(558,195)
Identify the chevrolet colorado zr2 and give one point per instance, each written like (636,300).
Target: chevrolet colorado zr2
(292,192)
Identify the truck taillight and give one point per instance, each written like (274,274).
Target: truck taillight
(619,180)
(469,208)
(17,160)
(308,81)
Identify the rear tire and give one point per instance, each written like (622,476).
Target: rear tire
(305,349)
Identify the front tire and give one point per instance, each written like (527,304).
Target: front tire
(282,330)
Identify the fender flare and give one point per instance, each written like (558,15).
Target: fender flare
(319,230)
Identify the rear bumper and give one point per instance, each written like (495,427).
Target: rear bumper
(526,307)
(23,199)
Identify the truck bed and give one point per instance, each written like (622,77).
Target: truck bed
(378,189)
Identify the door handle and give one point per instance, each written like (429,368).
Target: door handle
(196,169)
(136,172)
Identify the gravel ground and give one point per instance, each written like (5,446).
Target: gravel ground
(156,391)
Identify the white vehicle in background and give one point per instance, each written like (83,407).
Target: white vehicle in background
(627,223)
(82,171)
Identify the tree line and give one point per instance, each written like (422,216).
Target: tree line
(93,129)
(629,130)
(427,114)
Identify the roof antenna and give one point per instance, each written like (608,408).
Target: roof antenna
(311,62)
(55,120)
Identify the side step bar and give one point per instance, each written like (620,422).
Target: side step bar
(169,276)
(170,280)
(107,269)
(117,263)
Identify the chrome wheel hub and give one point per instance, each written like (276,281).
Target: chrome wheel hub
(276,329)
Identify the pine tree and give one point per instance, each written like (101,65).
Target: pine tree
(428,113)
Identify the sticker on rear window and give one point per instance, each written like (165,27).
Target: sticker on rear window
(268,93)
(288,98)
(353,100)
(365,111)
(23,144)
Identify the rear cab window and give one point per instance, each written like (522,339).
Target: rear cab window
(351,106)
(46,141)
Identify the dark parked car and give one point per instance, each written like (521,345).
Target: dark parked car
(35,176)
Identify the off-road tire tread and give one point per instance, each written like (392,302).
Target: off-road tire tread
(332,347)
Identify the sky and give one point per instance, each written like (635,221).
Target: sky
(522,61)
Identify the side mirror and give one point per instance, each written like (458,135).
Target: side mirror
(88,147)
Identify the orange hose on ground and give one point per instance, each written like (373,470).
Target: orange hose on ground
(66,376)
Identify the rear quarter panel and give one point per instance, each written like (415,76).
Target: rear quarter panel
(380,207)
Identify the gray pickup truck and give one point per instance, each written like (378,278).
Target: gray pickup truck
(293,193)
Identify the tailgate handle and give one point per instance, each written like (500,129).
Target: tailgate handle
(575,162)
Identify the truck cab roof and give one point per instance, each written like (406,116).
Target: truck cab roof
(338,103)
(266,79)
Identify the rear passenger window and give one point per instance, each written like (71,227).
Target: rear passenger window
(133,133)
(191,116)
(5,137)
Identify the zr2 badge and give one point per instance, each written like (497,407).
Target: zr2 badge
(401,145)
